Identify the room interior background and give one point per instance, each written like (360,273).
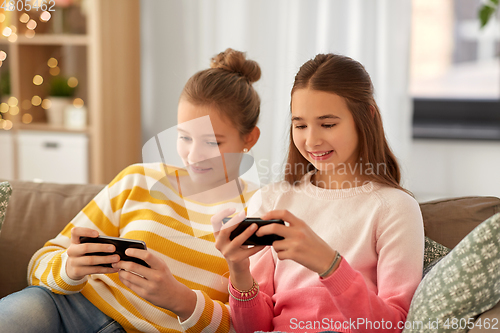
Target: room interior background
(436,76)
(180,37)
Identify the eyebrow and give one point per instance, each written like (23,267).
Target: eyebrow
(326,116)
(204,135)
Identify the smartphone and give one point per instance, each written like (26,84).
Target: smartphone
(254,239)
(121,244)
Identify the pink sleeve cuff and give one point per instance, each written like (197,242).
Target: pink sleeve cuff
(242,301)
(341,279)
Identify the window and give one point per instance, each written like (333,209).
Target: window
(455,71)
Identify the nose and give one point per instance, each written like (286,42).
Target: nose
(196,153)
(313,138)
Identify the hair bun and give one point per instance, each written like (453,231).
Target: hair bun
(236,62)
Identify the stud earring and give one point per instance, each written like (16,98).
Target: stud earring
(245,150)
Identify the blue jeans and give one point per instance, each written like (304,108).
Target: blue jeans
(36,309)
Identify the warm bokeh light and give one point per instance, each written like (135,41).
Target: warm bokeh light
(45,16)
(52,62)
(12,101)
(7,125)
(31,24)
(1,63)
(26,104)
(72,82)
(46,104)
(37,80)
(78,103)
(13,28)
(55,71)
(29,33)
(36,100)
(14,110)
(7,32)
(27,118)
(2,17)
(3,55)
(12,38)
(24,18)
(4,108)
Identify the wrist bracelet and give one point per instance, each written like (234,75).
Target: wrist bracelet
(329,270)
(245,293)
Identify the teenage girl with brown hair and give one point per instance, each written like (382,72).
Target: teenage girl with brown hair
(352,252)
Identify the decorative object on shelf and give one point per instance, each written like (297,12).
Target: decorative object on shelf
(61,94)
(75,115)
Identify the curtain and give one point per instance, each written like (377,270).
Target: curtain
(180,37)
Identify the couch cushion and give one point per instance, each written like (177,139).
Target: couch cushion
(447,221)
(5,192)
(462,285)
(433,251)
(36,213)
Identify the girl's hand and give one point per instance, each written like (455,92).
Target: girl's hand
(157,285)
(79,264)
(301,243)
(236,254)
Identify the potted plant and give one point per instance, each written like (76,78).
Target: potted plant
(60,97)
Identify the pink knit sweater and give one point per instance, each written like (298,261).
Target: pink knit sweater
(378,230)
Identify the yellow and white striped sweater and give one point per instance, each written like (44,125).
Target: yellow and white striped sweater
(173,229)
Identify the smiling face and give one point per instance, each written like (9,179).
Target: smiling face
(324,132)
(203,137)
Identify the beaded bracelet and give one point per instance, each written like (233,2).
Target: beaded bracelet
(329,270)
(245,293)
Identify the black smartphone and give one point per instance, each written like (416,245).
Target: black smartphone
(254,239)
(121,244)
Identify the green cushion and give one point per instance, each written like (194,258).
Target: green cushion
(462,285)
(433,252)
(5,192)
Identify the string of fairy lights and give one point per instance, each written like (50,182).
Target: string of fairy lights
(12,107)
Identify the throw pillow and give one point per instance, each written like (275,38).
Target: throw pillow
(433,251)
(5,192)
(462,285)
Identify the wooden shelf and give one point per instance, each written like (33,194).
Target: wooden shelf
(106,62)
(49,128)
(47,39)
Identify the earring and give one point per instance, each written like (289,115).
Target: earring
(245,150)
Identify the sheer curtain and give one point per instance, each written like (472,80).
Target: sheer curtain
(180,37)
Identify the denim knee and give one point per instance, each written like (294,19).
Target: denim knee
(29,310)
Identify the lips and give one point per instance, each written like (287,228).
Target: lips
(320,155)
(198,169)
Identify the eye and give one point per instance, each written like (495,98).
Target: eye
(328,125)
(300,126)
(185,138)
(213,143)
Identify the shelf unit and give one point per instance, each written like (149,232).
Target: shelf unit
(105,58)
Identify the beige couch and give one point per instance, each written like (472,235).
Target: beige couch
(38,212)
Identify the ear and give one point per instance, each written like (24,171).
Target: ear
(252,138)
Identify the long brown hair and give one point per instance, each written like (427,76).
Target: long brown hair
(227,85)
(347,78)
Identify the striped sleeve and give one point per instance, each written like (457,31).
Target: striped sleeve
(209,316)
(47,267)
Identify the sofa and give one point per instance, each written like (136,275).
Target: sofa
(37,212)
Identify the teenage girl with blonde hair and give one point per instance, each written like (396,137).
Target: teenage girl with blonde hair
(352,252)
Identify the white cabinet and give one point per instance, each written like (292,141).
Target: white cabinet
(6,155)
(53,157)
(451,168)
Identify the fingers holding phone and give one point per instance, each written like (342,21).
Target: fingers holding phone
(80,263)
